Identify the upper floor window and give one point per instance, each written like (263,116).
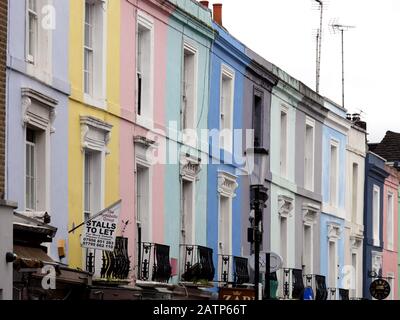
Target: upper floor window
(390,221)
(189,92)
(226,108)
(354,201)
(33,30)
(31,171)
(144,67)
(309,155)
(284,141)
(258,116)
(94,49)
(376,214)
(334,173)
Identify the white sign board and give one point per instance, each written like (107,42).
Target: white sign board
(100,231)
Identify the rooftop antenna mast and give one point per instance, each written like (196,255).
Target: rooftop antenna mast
(319,44)
(336,27)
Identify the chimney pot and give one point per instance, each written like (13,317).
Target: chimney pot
(205,4)
(217,13)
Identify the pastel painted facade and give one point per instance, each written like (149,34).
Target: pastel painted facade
(333,192)
(375,176)
(93,118)
(354,221)
(37,114)
(225,179)
(390,230)
(189,39)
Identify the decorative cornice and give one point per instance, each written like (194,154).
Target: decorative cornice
(227,184)
(285,206)
(190,167)
(334,231)
(310,213)
(89,139)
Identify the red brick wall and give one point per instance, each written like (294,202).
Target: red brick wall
(3,57)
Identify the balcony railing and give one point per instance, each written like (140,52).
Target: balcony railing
(197,263)
(233,270)
(318,284)
(293,284)
(154,263)
(115,264)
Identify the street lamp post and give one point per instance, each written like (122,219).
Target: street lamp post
(258,199)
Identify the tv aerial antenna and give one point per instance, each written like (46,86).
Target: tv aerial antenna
(319,5)
(341,28)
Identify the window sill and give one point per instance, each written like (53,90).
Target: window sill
(97,103)
(145,122)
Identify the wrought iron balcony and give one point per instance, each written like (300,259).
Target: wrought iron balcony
(116,264)
(154,263)
(233,270)
(197,263)
(293,284)
(318,284)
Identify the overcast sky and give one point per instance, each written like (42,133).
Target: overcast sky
(283,32)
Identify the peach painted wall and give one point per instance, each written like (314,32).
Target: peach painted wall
(390,256)
(129,128)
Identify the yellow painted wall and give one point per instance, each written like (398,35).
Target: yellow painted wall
(78,108)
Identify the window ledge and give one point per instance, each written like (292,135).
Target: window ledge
(97,103)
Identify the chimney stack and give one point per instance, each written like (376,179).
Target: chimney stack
(205,4)
(217,13)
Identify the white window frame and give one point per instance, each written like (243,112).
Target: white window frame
(309,123)
(284,166)
(390,221)
(146,118)
(226,132)
(355,192)
(376,216)
(192,50)
(32,58)
(334,174)
(33,176)
(97,96)
(147,206)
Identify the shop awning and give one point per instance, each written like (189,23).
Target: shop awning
(31,257)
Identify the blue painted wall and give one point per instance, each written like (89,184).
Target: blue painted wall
(57,88)
(374,175)
(226,50)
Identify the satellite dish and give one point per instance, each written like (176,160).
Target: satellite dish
(275,262)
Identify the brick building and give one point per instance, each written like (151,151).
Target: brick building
(3,57)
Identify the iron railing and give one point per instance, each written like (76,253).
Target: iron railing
(233,270)
(116,264)
(293,284)
(318,284)
(197,263)
(154,263)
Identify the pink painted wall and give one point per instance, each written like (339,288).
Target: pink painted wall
(390,256)
(129,129)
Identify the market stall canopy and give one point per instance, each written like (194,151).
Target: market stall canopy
(31,257)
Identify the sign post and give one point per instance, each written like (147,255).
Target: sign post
(100,231)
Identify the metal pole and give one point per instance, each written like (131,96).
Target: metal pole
(267,276)
(319,43)
(342,31)
(257,215)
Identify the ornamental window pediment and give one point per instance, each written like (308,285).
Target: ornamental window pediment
(190,167)
(285,206)
(310,213)
(95,134)
(38,110)
(334,231)
(227,184)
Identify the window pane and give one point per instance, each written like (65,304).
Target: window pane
(87,181)
(32,5)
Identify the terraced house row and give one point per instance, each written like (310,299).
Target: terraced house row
(156,104)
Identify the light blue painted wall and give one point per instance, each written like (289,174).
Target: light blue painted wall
(59,90)
(330,134)
(181,29)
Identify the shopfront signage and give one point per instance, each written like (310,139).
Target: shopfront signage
(236,294)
